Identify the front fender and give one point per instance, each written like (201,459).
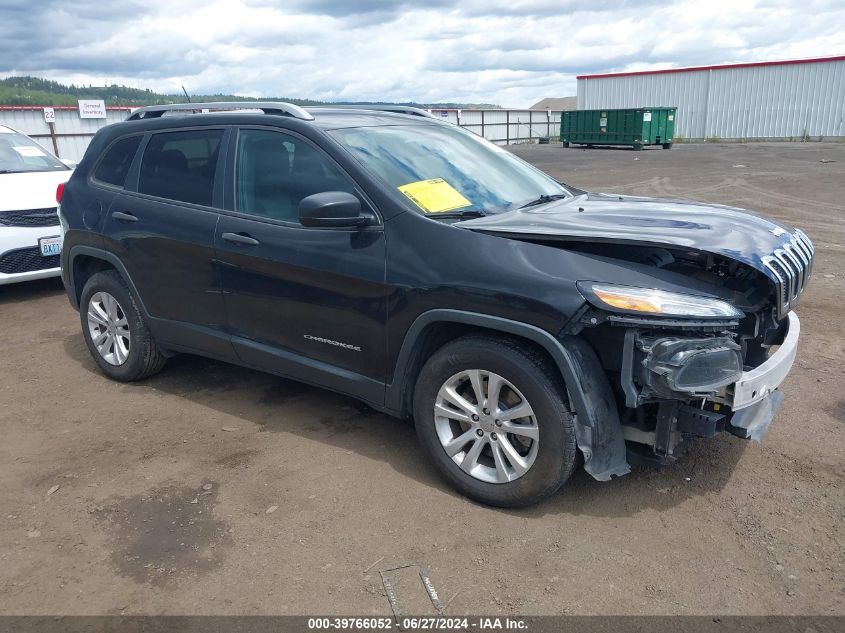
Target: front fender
(597,425)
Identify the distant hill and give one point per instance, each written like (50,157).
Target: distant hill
(37,91)
(556,103)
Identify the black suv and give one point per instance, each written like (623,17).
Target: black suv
(406,262)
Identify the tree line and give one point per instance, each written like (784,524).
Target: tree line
(45,92)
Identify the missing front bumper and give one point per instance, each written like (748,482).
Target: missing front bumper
(744,408)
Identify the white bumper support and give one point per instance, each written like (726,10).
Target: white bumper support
(758,383)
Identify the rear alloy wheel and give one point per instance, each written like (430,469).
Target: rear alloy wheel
(115,330)
(491,413)
(109,328)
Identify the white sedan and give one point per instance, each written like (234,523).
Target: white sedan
(30,234)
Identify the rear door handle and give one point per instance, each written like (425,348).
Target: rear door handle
(240,239)
(124,217)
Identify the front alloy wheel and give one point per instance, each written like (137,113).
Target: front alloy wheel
(486,426)
(109,328)
(481,405)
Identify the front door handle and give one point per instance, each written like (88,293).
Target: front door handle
(124,217)
(240,239)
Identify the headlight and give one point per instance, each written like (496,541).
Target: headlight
(688,365)
(660,302)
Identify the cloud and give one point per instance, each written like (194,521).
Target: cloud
(510,52)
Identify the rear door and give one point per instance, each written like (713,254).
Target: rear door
(306,302)
(162,229)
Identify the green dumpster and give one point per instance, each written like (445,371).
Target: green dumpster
(635,127)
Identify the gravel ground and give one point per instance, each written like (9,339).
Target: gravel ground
(211,489)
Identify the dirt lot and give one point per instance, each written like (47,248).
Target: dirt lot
(165,488)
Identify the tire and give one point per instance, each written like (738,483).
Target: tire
(566,143)
(638,147)
(667,145)
(531,377)
(131,358)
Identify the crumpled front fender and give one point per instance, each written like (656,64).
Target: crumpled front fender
(598,429)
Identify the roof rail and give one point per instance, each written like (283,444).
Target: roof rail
(268,107)
(397,109)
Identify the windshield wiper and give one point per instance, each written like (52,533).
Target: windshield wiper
(469,213)
(544,198)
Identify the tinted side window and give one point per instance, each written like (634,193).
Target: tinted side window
(115,164)
(180,165)
(275,171)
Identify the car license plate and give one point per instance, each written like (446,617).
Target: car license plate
(50,245)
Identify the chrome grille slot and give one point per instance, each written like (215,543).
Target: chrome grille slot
(796,248)
(790,267)
(797,266)
(805,243)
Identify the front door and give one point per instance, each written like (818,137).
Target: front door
(309,303)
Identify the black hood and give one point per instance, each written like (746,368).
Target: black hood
(717,229)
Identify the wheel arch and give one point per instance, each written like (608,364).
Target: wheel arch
(85,261)
(598,428)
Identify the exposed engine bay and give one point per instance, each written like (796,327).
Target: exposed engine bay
(745,287)
(672,378)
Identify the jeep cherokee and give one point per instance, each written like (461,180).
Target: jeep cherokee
(521,323)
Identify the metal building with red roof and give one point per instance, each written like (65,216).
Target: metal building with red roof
(790,99)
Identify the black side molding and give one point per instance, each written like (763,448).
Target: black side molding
(97,253)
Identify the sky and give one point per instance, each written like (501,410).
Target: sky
(507,52)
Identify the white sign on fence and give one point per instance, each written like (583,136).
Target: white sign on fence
(92,109)
(49,115)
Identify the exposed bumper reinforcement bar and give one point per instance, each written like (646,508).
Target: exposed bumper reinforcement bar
(756,384)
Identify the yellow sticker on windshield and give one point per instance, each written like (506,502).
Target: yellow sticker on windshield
(435,195)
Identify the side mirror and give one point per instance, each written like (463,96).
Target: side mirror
(332,209)
(68,163)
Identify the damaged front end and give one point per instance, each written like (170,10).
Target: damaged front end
(677,387)
(688,311)
(678,377)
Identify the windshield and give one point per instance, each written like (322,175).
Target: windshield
(444,169)
(19,153)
